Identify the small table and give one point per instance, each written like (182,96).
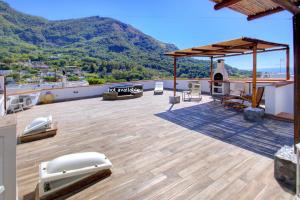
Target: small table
(217,98)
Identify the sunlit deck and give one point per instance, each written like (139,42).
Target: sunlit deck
(189,151)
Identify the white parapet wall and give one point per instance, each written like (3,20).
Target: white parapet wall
(67,94)
(279,99)
(79,92)
(71,93)
(183,85)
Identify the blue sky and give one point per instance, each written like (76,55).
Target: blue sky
(184,23)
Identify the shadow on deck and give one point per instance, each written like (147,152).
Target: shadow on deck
(212,119)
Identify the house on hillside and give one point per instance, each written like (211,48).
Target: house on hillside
(39,65)
(73,70)
(5,72)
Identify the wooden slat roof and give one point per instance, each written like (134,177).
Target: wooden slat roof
(255,8)
(239,46)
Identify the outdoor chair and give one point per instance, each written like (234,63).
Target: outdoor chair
(244,102)
(194,92)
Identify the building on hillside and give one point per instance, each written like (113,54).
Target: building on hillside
(39,65)
(73,70)
(5,72)
(46,72)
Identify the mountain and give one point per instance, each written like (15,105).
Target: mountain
(100,44)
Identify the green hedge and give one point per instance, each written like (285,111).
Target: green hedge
(95,81)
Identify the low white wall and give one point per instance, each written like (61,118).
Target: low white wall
(2,109)
(279,99)
(183,85)
(284,95)
(65,94)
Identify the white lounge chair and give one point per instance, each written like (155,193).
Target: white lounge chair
(57,175)
(159,88)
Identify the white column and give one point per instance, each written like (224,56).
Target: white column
(8,158)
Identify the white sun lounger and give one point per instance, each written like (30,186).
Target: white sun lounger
(159,88)
(65,173)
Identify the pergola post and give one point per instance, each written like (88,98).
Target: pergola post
(288,63)
(211,72)
(296,28)
(175,66)
(254,76)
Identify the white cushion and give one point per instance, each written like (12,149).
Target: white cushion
(75,161)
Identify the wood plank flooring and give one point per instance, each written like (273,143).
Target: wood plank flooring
(153,158)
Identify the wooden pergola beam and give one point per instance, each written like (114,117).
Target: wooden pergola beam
(269,12)
(256,41)
(264,13)
(243,46)
(219,50)
(249,53)
(201,54)
(225,3)
(199,49)
(173,54)
(289,6)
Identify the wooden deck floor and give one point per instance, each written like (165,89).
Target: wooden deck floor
(153,156)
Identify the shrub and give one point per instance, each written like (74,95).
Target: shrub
(95,81)
(73,78)
(49,79)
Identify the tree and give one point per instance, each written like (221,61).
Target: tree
(92,69)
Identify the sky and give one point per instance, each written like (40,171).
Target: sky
(186,23)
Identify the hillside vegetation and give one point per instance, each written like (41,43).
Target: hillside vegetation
(100,45)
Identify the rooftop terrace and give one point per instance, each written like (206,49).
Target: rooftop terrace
(189,151)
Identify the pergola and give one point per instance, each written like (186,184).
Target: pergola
(236,47)
(259,8)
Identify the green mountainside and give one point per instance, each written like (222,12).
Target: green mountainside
(96,44)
